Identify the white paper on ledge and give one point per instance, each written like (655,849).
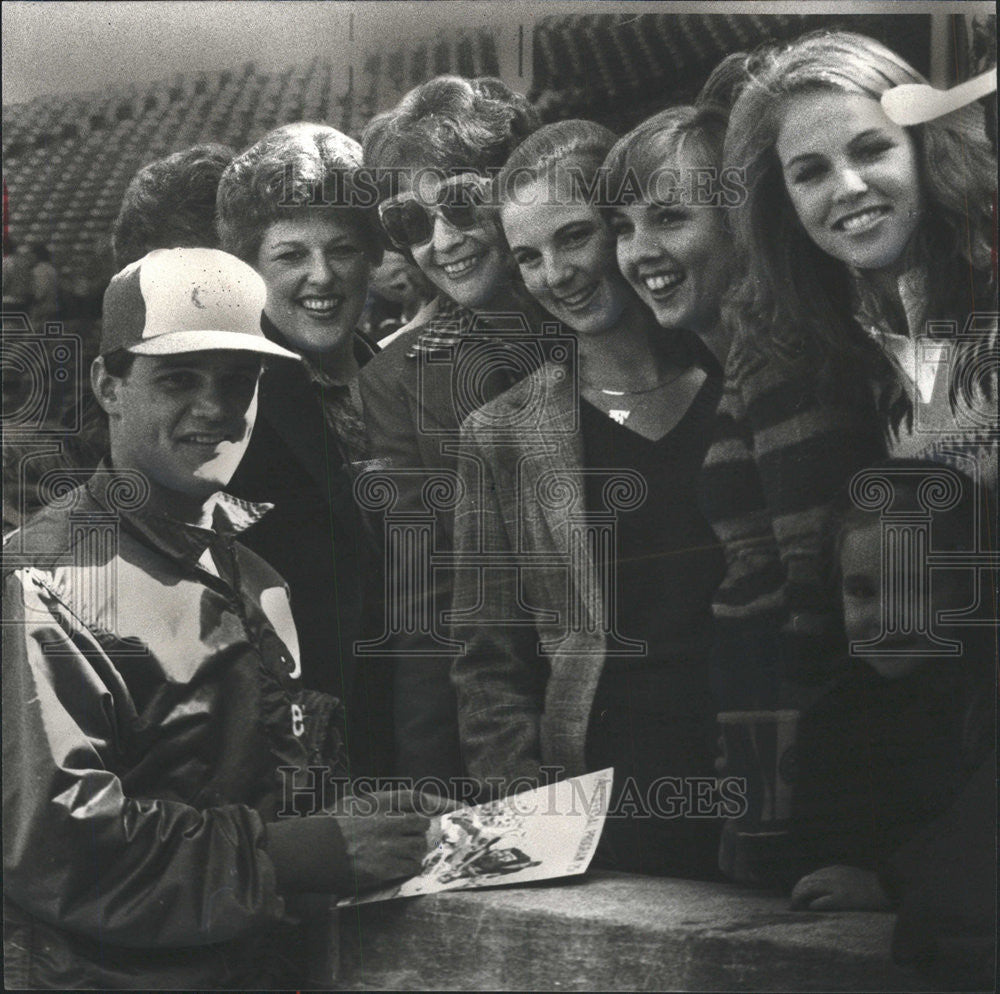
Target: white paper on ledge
(535,835)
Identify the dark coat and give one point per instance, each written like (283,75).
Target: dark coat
(315,538)
(149,704)
(416,393)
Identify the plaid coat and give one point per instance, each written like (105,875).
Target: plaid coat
(527,601)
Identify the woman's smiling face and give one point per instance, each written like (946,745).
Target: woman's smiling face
(468,265)
(316,271)
(566,256)
(852,176)
(676,255)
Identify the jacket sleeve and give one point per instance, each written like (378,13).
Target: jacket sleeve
(424,709)
(79,853)
(500,679)
(736,504)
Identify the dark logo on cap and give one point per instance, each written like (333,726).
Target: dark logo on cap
(195,300)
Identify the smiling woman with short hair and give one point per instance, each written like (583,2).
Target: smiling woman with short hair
(672,241)
(290,206)
(432,155)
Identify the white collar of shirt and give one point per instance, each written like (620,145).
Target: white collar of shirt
(918,356)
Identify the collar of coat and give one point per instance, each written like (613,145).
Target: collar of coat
(450,321)
(122,492)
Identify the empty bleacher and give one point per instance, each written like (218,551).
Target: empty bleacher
(68,158)
(620,68)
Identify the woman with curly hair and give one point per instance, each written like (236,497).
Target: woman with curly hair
(433,155)
(290,206)
(862,242)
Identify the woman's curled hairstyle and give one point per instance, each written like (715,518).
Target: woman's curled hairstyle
(450,123)
(576,148)
(170,203)
(638,157)
(296,167)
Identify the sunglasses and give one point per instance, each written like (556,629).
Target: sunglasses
(409,221)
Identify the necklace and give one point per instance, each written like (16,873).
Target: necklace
(621,415)
(634,393)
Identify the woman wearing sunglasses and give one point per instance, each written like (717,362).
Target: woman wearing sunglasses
(619,432)
(437,146)
(316,260)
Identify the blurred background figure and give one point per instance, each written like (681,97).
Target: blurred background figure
(44,287)
(398,294)
(171,204)
(984,57)
(17,266)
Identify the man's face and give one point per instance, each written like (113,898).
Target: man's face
(184,421)
(398,280)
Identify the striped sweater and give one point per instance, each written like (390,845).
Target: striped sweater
(779,456)
(777,460)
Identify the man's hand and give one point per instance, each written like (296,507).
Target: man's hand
(840,888)
(385,835)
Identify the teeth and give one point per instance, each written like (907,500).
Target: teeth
(205,439)
(320,305)
(577,298)
(460,267)
(862,220)
(662,281)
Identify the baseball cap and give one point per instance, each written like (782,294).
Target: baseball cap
(186,300)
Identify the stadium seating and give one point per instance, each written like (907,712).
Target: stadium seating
(68,158)
(619,69)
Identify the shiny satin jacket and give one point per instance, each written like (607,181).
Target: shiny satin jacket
(148,705)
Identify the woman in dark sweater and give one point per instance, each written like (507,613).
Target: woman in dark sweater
(600,659)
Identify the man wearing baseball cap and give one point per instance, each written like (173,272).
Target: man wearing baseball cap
(156,740)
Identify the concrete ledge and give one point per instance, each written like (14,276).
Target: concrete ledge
(614,932)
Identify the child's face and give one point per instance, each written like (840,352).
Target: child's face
(864,616)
